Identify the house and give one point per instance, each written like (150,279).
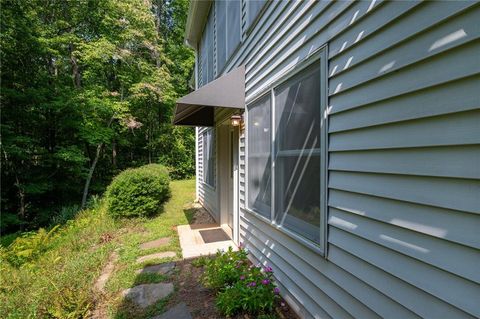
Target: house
(340,142)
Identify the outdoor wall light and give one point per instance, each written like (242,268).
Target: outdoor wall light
(236,120)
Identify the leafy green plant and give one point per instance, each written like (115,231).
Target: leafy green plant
(200,261)
(138,192)
(29,246)
(65,214)
(241,287)
(254,293)
(225,269)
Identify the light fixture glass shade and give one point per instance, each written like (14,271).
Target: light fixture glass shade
(236,120)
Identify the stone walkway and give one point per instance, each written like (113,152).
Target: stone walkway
(146,295)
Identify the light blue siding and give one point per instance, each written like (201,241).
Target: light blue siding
(404,156)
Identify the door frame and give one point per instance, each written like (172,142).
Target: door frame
(225,165)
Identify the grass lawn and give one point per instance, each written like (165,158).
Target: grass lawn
(59,282)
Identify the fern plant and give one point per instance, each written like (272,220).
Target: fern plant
(29,246)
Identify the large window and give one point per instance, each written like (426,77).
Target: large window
(253,9)
(297,154)
(208,148)
(228,32)
(259,156)
(286,151)
(206,51)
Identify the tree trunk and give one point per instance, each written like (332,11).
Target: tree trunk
(76,76)
(90,175)
(114,154)
(92,170)
(21,197)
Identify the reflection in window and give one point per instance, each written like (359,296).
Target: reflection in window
(228,33)
(208,149)
(206,52)
(259,156)
(253,9)
(297,154)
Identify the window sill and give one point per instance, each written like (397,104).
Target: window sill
(305,242)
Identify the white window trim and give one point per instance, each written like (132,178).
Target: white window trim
(321,56)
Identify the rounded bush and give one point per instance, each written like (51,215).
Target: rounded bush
(138,192)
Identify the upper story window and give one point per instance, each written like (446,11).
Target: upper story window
(228,30)
(222,35)
(206,66)
(253,9)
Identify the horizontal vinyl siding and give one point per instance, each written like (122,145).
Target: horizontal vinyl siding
(404,157)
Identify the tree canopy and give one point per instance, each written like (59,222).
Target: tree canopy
(87,89)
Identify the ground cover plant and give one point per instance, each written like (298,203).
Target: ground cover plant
(241,286)
(52,275)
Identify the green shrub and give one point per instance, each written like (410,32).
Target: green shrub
(225,269)
(254,293)
(138,192)
(241,287)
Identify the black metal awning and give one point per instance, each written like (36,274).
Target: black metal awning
(198,107)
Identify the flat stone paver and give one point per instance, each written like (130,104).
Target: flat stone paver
(106,272)
(180,311)
(155,243)
(157,269)
(165,254)
(148,294)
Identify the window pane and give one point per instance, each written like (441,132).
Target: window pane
(209,31)
(208,158)
(297,154)
(203,73)
(221,31)
(253,9)
(259,156)
(233,26)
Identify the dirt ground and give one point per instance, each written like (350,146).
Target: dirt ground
(200,300)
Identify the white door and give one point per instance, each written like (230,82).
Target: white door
(233,221)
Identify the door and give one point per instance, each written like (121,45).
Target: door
(233,167)
(228,177)
(232,219)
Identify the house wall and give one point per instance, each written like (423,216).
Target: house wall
(404,157)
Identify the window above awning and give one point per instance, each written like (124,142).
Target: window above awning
(198,107)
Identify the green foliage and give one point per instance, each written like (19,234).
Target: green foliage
(241,287)
(138,192)
(200,261)
(56,283)
(29,246)
(225,269)
(65,214)
(254,293)
(80,76)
